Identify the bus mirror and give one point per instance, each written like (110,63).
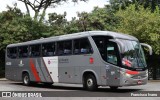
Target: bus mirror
(149,47)
(120,45)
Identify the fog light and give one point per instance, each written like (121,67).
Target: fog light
(126,81)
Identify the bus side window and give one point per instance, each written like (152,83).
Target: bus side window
(35,50)
(60,48)
(112,53)
(23,51)
(76,47)
(48,49)
(82,46)
(64,47)
(100,42)
(12,52)
(67,47)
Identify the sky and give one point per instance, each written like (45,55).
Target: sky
(69,7)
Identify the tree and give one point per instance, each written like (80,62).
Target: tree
(57,23)
(38,5)
(72,26)
(131,23)
(103,19)
(98,19)
(116,4)
(17,27)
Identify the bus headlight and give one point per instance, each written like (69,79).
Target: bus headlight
(128,75)
(147,73)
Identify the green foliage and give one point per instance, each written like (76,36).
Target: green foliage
(17,27)
(116,4)
(72,26)
(141,23)
(103,19)
(57,23)
(98,19)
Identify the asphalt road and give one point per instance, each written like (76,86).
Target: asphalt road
(6,85)
(73,90)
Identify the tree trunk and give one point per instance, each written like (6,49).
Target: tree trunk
(28,12)
(36,15)
(43,15)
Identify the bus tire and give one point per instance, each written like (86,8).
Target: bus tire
(26,79)
(90,83)
(113,87)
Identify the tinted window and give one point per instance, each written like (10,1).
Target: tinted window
(64,47)
(112,53)
(35,50)
(12,52)
(23,51)
(82,46)
(101,45)
(108,50)
(48,49)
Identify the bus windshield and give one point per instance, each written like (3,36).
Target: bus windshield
(133,55)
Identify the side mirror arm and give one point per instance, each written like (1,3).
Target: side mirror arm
(149,47)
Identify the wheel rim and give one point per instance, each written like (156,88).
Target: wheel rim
(89,82)
(26,79)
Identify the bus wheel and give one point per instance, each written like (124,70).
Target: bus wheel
(113,87)
(26,79)
(90,82)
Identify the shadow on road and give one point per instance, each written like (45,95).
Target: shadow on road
(104,89)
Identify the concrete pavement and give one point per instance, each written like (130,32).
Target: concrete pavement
(3,79)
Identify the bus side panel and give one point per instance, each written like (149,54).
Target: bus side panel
(66,69)
(38,70)
(46,72)
(10,69)
(50,65)
(71,68)
(15,67)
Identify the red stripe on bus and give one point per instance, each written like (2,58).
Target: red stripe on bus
(132,72)
(34,71)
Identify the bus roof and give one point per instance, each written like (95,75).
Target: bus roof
(77,35)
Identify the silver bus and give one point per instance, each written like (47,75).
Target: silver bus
(93,58)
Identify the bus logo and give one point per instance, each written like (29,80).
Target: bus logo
(21,63)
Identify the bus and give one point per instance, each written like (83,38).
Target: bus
(92,58)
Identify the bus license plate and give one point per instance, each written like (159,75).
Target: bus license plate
(139,82)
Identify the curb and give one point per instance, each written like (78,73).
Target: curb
(3,79)
(153,80)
